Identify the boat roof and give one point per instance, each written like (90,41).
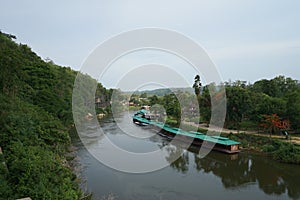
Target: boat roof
(215,139)
(141,111)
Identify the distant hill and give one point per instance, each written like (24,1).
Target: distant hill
(162,92)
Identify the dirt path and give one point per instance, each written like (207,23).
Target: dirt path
(293,139)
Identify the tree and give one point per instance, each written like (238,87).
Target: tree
(144,95)
(278,87)
(172,106)
(293,109)
(197,85)
(153,100)
(274,124)
(239,105)
(266,105)
(205,105)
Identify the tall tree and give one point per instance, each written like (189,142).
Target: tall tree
(197,85)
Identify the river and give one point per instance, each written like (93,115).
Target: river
(246,175)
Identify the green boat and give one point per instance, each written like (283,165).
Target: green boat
(219,143)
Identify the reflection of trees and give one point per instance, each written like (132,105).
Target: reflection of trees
(233,173)
(293,189)
(181,164)
(272,177)
(89,133)
(277,178)
(269,179)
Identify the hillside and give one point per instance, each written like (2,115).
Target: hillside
(35,116)
(163,91)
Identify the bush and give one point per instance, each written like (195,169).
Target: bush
(33,144)
(268,148)
(172,122)
(39,174)
(287,153)
(279,150)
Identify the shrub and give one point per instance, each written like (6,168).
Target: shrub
(287,153)
(268,148)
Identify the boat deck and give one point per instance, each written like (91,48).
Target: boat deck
(222,143)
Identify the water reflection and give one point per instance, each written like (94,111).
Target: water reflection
(242,170)
(182,163)
(235,172)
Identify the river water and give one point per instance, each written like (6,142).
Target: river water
(217,176)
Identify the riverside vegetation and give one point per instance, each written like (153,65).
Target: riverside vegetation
(35,119)
(271,107)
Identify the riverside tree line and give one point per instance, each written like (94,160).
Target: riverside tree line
(35,121)
(267,105)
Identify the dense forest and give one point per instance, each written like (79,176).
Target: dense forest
(267,105)
(35,119)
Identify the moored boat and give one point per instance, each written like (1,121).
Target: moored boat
(221,144)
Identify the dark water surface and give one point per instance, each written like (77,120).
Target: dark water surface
(217,176)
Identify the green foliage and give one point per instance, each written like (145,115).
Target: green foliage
(143,95)
(35,115)
(268,105)
(172,122)
(205,105)
(277,149)
(288,153)
(269,148)
(172,107)
(248,125)
(246,103)
(153,100)
(38,173)
(33,143)
(278,87)
(239,104)
(265,97)
(197,85)
(157,92)
(293,109)
(31,125)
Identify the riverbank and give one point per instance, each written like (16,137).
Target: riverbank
(232,177)
(291,139)
(277,147)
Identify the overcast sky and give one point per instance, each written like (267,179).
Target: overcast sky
(246,39)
